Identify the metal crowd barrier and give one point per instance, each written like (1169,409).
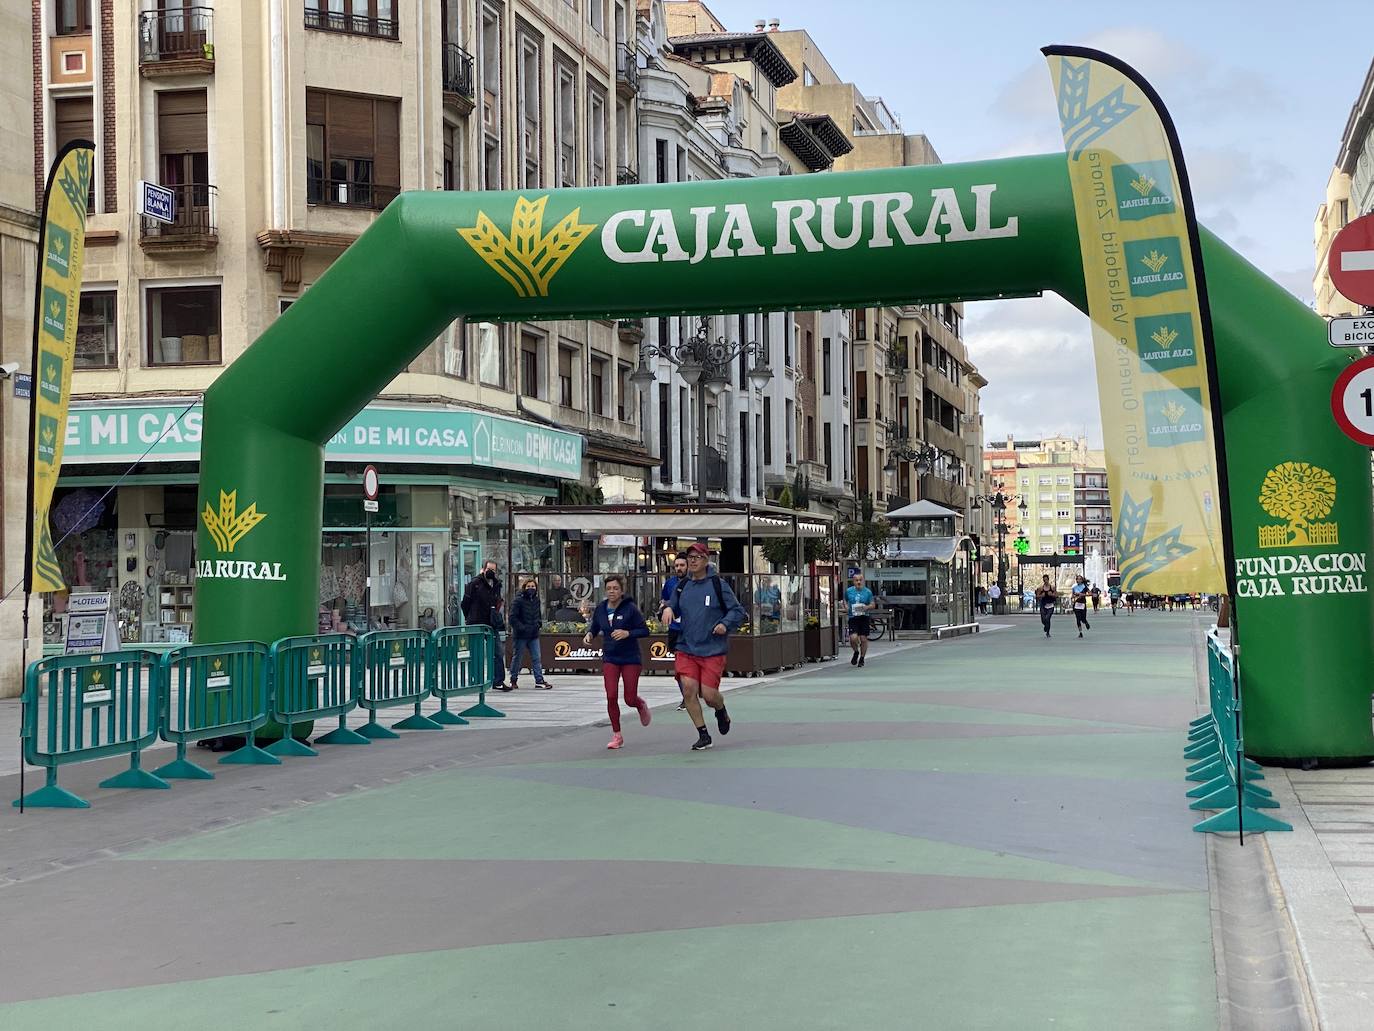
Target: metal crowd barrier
(312,679)
(1226,779)
(391,667)
(214,690)
(460,665)
(96,706)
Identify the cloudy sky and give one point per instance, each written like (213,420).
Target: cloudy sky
(1260,93)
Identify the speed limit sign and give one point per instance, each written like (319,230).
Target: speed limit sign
(1352,401)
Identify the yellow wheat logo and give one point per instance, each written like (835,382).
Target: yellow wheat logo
(1174,411)
(54,309)
(314,655)
(1164,336)
(96,676)
(1155,261)
(47,435)
(219,665)
(1302,494)
(228,526)
(1142,184)
(529,258)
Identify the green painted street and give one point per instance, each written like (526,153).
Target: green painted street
(989,832)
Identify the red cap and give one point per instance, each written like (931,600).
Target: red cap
(699,548)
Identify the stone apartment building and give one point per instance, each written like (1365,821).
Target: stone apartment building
(1349,194)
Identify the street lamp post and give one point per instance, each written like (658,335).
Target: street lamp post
(704,364)
(999,503)
(925,455)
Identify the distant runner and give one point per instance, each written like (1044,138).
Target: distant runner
(620,625)
(1079,604)
(675,627)
(1045,598)
(858,599)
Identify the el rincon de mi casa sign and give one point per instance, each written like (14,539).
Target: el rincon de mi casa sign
(916,234)
(428,435)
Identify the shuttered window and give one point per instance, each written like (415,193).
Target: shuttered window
(74,119)
(353,149)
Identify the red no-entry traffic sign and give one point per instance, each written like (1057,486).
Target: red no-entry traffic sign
(1350,261)
(1352,401)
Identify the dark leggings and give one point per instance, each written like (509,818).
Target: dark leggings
(611,674)
(1080,616)
(1046,614)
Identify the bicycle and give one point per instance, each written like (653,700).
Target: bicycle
(877,626)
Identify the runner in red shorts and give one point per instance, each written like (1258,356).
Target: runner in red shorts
(708,610)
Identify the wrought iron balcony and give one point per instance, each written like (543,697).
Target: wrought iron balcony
(195,227)
(350,194)
(458,78)
(353,24)
(626,176)
(177,41)
(715,470)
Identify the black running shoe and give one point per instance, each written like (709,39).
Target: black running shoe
(722,722)
(703,741)
(854,659)
(861,661)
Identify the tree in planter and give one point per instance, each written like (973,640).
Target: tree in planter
(780,552)
(865,538)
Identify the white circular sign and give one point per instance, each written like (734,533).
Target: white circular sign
(370,483)
(1352,401)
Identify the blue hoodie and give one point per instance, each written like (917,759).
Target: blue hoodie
(625,616)
(701,611)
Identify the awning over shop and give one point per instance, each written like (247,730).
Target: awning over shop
(930,549)
(920,510)
(705,521)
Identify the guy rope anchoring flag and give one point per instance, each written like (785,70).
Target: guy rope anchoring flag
(54,345)
(1151,326)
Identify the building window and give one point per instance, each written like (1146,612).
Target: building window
(528,73)
(844,367)
(353,149)
(97,341)
(767,430)
(73,17)
(565,112)
(456,350)
(624,409)
(453,157)
(596,136)
(531,382)
(183,325)
(788,431)
(810,438)
(861,324)
(359,17)
(596,16)
(566,397)
(844,454)
(827,456)
(489,63)
(74,119)
(490,339)
(788,328)
(660,161)
(825,366)
(665,433)
(598,386)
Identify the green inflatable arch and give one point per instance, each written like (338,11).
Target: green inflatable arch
(973,231)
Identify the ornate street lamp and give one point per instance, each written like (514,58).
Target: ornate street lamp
(704,363)
(999,503)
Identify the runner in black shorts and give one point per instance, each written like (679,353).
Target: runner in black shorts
(858,600)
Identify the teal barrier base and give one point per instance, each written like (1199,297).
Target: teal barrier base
(417,722)
(341,735)
(1211,771)
(483,711)
(289,745)
(1201,750)
(181,768)
(1226,796)
(375,731)
(1228,821)
(135,777)
(250,755)
(1201,721)
(447,718)
(51,796)
(1215,784)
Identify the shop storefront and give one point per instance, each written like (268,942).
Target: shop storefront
(924,579)
(448,477)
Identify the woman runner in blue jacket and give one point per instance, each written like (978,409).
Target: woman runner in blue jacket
(620,624)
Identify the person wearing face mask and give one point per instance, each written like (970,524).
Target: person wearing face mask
(482,607)
(526,620)
(620,625)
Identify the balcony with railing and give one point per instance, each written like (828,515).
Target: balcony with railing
(176,41)
(350,24)
(626,176)
(626,68)
(715,470)
(459,84)
(194,228)
(349,193)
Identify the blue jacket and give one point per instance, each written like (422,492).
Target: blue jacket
(669,590)
(526,617)
(625,617)
(701,611)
